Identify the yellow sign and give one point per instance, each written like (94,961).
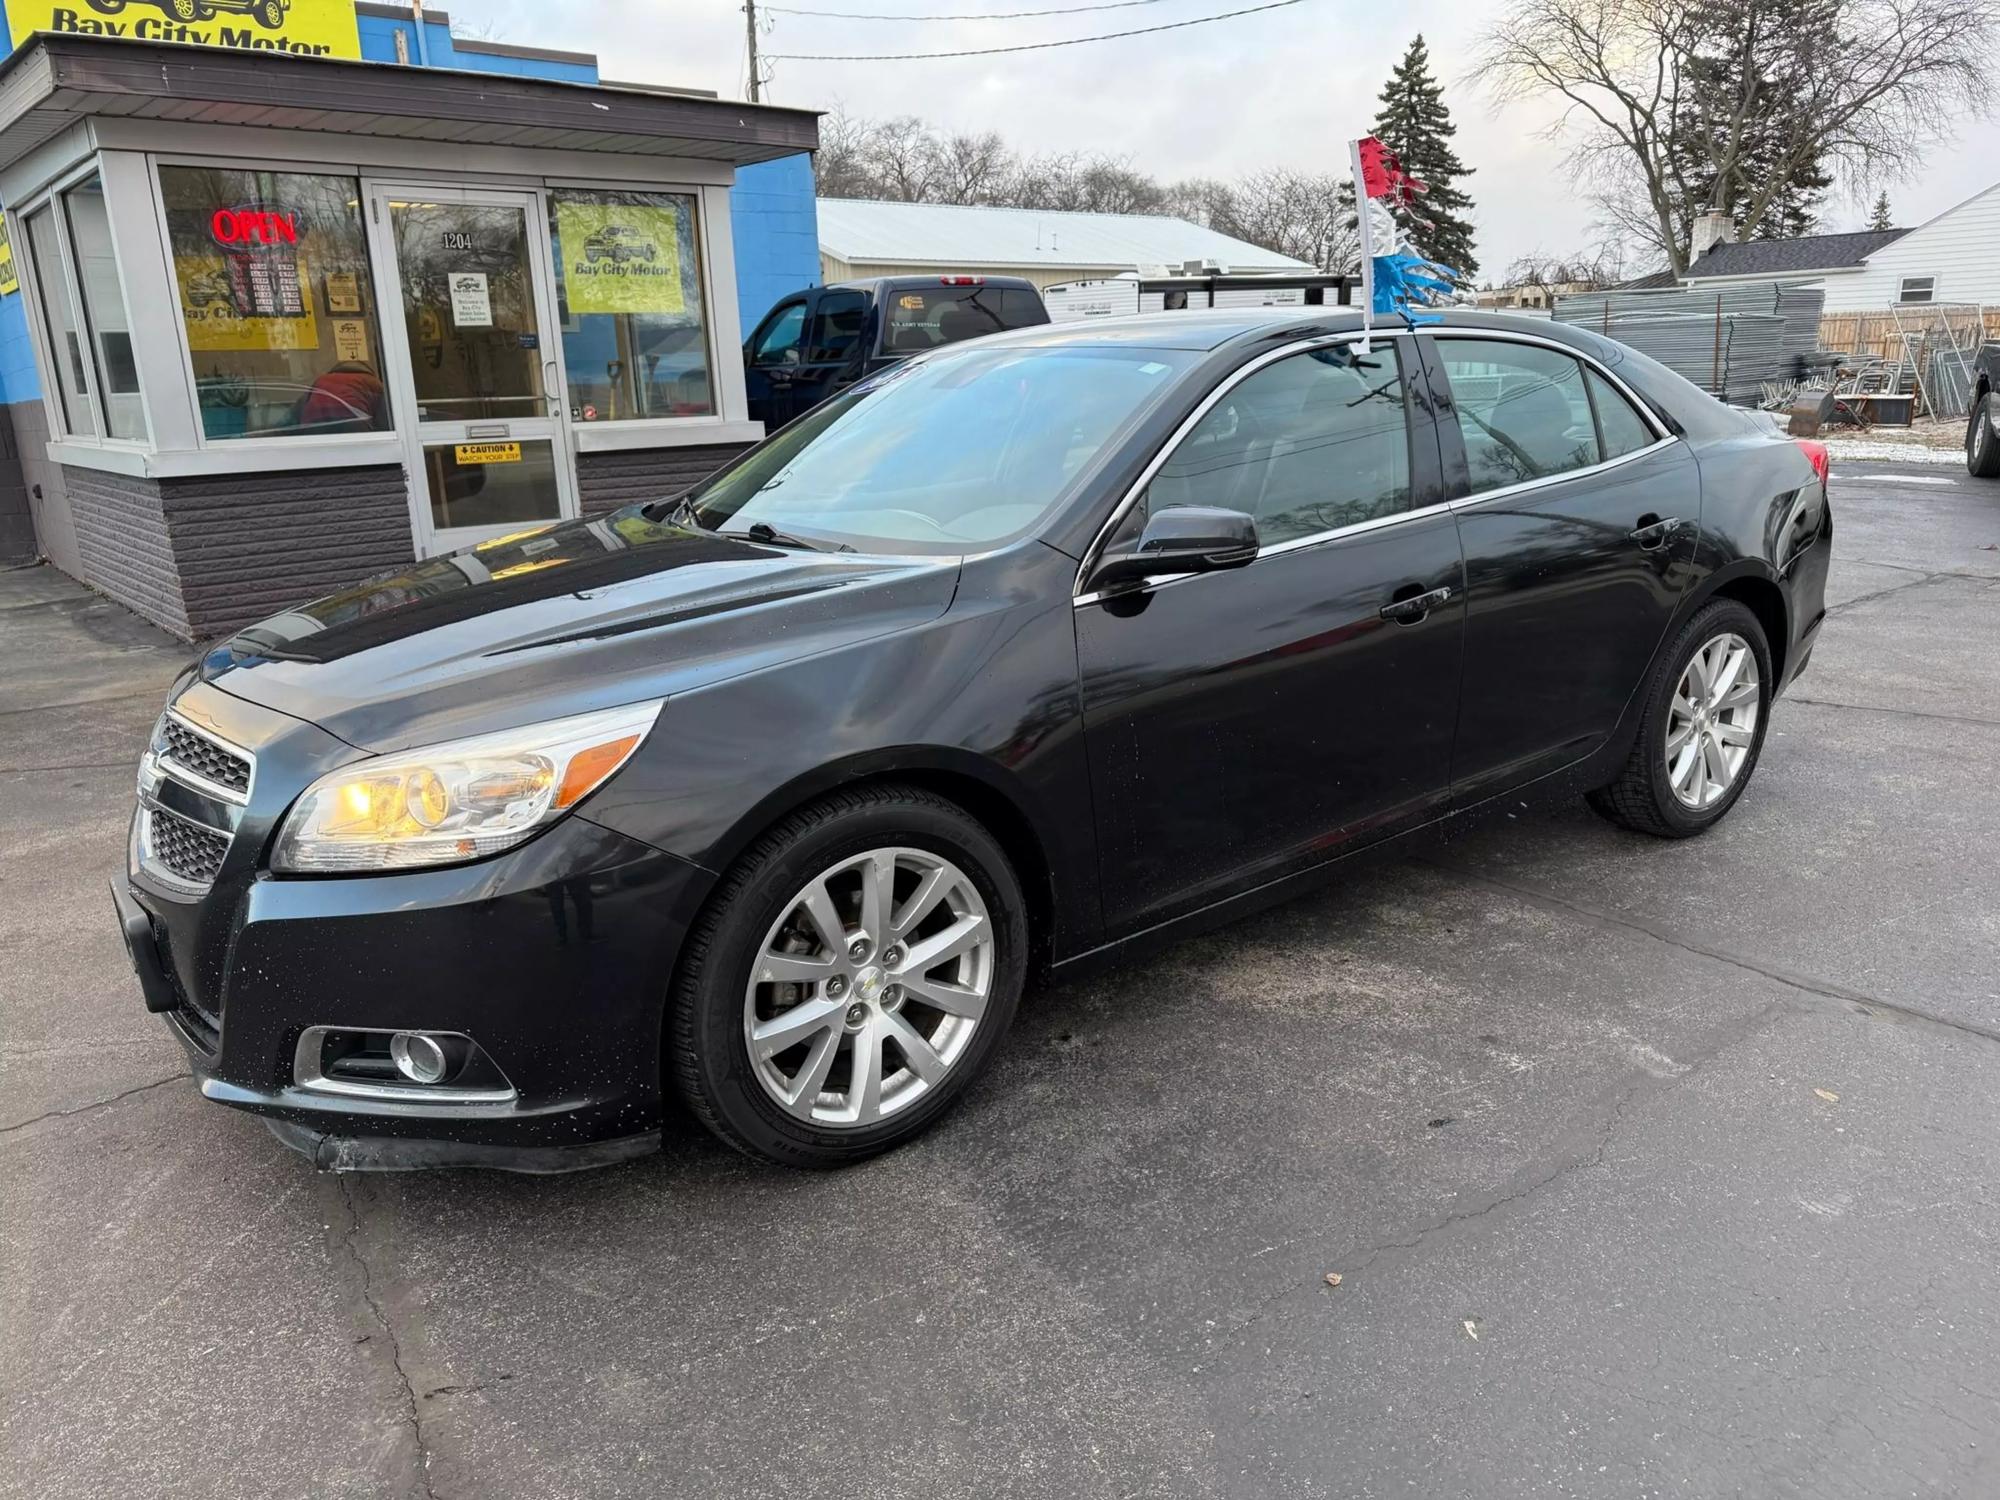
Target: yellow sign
(343,292)
(487,453)
(303,28)
(621,257)
(350,340)
(9,281)
(208,306)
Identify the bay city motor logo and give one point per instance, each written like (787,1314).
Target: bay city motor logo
(266,25)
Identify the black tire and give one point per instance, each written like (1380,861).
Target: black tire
(271,14)
(1641,798)
(107,7)
(1982,448)
(707,1055)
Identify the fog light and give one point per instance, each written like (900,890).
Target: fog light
(417,1057)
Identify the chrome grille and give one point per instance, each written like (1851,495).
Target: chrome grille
(183,848)
(203,756)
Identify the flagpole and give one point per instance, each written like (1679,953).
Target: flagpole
(1362,218)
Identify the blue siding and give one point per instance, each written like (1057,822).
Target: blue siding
(18,380)
(776,226)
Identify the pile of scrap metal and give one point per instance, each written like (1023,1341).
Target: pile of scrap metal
(1732,341)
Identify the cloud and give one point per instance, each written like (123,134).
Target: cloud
(1284,87)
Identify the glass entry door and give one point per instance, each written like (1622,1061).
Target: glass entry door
(475,369)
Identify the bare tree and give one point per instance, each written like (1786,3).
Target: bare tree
(1579,271)
(969,168)
(903,158)
(1300,214)
(842,167)
(1650,107)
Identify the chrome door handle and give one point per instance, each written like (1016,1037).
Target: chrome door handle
(1409,611)
(1655,533)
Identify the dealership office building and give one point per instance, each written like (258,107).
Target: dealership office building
(304,290)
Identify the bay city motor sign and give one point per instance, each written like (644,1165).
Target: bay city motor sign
(304,28)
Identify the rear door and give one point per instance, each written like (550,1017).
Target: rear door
(1246,724)
(1579,516)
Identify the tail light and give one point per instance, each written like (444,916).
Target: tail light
(1820,458)
(961,281)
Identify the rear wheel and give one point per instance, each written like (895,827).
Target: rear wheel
(852,977)
(1703,728)
(1982,446)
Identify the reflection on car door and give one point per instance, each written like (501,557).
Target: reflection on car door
(1246,724)
(771,359)
(1579,525)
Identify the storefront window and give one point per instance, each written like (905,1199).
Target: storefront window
(628,277)
(279,304)
(104,312)
(63,325)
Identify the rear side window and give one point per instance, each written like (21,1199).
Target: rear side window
(1622,429)
(1522,409)
(836,327)
(1312,443)
(920,318)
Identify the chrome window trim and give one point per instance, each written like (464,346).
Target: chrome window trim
(1235,378)
(1512,336)
(1469,502)
(307,1076)
(190,777)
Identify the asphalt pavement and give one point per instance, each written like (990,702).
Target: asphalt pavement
(1646,1169)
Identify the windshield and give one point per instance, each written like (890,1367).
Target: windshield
(949,454)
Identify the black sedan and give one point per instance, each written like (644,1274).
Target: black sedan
(1021,655)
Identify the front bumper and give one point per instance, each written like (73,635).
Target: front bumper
(555,958)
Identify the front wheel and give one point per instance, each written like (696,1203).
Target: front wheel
(184,10)
(852,976)
(271,14)
(1702,730)
(1982,446)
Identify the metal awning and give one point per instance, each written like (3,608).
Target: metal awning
(52,81)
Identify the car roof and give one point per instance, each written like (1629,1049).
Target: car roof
(871,283)
(1204,329)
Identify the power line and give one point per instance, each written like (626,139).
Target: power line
(1075,41)
(998,15)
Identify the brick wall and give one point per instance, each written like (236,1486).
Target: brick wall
(606,481)
(122,545)
(248,546)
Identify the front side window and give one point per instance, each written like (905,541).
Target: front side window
(779,341)
(1522,410)
(628,284)
(942,455)
(1312,443)
(65,327)
(279,304)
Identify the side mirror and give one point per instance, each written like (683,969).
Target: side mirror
(1185,539)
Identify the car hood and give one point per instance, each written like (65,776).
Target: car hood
(563,619)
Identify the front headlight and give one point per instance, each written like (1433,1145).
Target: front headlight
(457,801)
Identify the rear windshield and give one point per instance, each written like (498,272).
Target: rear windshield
(923,317)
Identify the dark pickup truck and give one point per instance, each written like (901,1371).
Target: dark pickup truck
(823,340)
(1982,431)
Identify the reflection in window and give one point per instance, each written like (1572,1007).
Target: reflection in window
(1623,429)
(1309,444)
(104,312)
(63,326)
(628,279)
(1521,409)
(279,305)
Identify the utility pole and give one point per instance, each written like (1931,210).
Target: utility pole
(756,85)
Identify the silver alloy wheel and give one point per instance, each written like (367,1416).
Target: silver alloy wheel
(868,987)
(1713,721)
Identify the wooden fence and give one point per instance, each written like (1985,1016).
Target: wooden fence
(1875,332)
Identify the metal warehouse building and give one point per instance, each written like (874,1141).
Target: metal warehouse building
(302,293)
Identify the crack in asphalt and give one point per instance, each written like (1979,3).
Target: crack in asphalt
(81,765)
(1898,713)
(1818,989)
(411,1416)
(84,1109)
(1897,588)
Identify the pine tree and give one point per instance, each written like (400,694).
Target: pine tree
(1415,124)
(1880,218)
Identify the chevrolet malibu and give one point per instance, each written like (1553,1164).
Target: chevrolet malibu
(1017,658)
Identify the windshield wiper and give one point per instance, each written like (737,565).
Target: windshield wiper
(765,532)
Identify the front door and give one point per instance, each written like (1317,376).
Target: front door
(475,373)
(1247,724)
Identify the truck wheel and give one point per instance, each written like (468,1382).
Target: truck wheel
(1982,447)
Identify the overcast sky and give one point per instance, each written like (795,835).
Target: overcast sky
(1287,87)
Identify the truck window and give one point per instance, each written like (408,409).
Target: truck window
(836,327)
(924,317)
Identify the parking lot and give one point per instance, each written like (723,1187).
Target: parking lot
(1645,1169)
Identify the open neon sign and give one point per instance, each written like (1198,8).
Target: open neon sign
(255,226)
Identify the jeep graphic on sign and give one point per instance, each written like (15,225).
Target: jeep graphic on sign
(270,14)
(618,244)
